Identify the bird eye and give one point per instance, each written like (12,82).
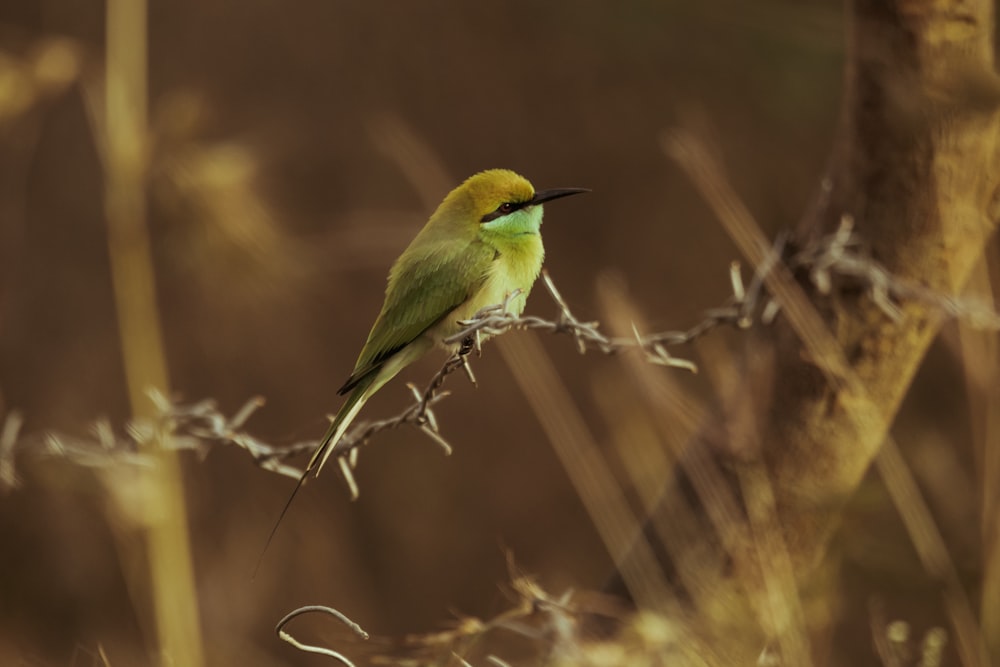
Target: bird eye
(502,210)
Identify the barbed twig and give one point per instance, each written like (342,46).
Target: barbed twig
(844,256)
(838,258)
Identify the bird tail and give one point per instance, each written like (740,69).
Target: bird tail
(345,417)
(348,411)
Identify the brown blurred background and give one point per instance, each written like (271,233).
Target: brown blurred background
(297,149)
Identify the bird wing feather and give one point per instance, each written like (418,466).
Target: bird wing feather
(424,286)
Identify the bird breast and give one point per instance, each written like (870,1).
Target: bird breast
(515,267)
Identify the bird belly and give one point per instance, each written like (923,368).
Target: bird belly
(514,269)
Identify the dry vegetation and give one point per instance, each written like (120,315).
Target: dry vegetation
(186,209)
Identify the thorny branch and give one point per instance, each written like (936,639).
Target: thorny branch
(840,258)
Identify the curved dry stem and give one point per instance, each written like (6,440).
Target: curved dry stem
(279,629)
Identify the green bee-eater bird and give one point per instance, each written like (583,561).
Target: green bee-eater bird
(481,245)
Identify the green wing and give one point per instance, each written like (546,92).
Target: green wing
(425,285)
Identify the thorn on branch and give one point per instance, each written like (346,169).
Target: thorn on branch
(843,255)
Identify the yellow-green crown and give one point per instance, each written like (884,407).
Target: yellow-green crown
(489,189)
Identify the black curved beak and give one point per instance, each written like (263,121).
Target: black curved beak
(549,195)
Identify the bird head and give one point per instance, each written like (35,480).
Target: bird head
(501,201)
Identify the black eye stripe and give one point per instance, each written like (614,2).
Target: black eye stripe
(503,209)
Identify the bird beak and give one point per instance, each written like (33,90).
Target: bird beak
(547,195)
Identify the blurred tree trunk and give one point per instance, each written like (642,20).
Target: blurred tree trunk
(918,168)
